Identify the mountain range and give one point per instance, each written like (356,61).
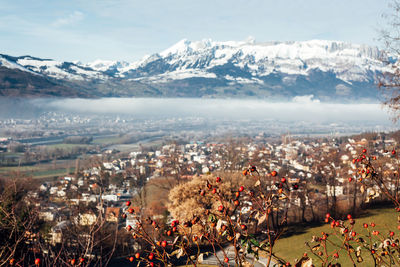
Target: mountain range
(328,70)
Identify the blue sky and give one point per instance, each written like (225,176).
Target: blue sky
(127,30)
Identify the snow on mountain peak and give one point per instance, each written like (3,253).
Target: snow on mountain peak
(245,61)
(206,67)
(185,46)
(348,61)
(104,65)
(296,49)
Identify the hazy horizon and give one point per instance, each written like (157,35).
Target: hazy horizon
(300,108)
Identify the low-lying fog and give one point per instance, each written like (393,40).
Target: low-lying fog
(301,108)
(302,114)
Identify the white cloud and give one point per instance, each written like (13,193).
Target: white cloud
(72,18)
(305,99)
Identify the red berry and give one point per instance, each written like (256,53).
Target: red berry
(12,261)
(393,152)
(237,194)
(283,180)
(164,244)
(202,193)
(244,227)
(73,262)
(391,233)
(128,203)
(241,189)
(218,179)
(236,202)
(328,215)
(81,260)
(151,256)
(349,216)
(364,150)
(373,225)
(274,173)
(353,234)
(131,259)
(226,259)
(128,228)
(37,261)
(373,251)
(169,233)
(350,179)
(130,210)
(365,225)
(214,191)
(221,208)
(137,255)
(151,264)
(336,255)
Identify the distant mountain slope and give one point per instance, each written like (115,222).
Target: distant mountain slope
(330,70)
(15,82)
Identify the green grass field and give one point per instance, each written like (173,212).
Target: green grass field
(44,170)
(293,247)
(66,146)
(107,140)
(35,171)
(52,173)
(11,154)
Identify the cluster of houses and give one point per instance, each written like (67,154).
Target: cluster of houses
(327,165)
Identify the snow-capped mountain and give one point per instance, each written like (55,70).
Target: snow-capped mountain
(51,68)
(185,59)
(327,69)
